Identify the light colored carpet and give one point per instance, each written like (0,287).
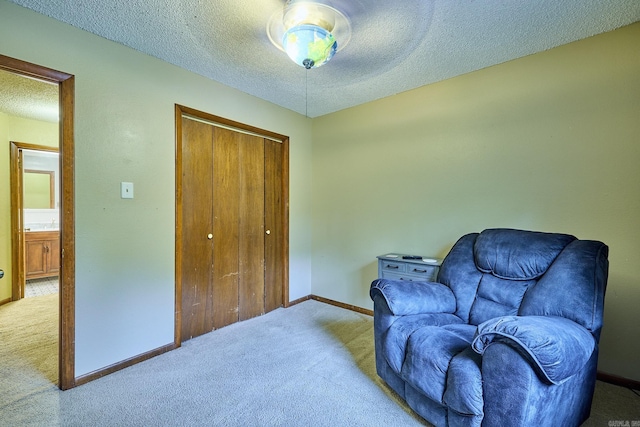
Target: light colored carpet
(308,365)
(28,347)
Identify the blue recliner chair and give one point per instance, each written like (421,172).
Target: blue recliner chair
(507,336)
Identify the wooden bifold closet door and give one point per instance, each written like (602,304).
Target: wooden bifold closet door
(232,226)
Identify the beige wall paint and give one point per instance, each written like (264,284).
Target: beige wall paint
(548,142)
(124,131)
(20,130)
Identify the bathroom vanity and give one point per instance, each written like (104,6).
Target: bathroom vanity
(42,253)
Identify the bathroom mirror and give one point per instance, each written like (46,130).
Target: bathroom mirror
(39,189)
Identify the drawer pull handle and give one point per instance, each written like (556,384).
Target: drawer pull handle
(392,266)
(419,271)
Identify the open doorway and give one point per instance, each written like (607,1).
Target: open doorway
(35,186)
(66,305)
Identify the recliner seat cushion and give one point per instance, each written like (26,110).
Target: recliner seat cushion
(429,352)
(396,339)
(463,394)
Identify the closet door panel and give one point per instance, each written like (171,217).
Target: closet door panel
(197,154)
(225,227)
(274,224)
(251,225)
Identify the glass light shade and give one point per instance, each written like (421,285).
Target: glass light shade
(299,12)
(309,46)
(310,32)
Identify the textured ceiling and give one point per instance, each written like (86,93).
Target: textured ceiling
(25,97)
(395,46)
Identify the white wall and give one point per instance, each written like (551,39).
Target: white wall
(549,142)
(125,131)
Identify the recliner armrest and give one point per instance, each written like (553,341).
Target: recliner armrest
(558,347)
(404,297)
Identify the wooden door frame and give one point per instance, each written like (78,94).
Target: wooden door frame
(181,111)
(66,328)
(16,166)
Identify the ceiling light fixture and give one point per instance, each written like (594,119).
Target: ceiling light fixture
(310,32)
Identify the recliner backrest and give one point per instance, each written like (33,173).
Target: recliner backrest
(502,272)
(511,261)
(573,287)
(458,271)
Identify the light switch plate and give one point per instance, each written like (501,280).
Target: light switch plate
(126,190)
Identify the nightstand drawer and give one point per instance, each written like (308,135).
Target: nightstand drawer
(400,276)
(392,267)
(425,272)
